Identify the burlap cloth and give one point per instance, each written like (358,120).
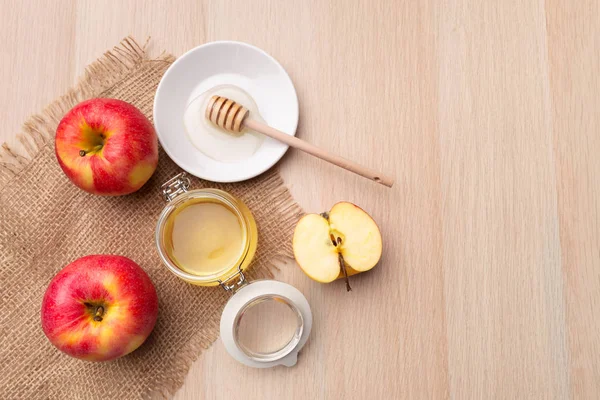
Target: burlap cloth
(46,222)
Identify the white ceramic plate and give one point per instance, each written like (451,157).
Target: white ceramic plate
(219,63)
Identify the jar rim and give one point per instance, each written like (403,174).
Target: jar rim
(208,193)
(283,350)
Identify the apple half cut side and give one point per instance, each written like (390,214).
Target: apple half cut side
(341,243)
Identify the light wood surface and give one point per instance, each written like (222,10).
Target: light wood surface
(488,115)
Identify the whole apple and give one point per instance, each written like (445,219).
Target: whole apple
(99,308)
(106,147)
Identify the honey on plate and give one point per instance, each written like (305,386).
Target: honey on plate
(215,142)
(204,237)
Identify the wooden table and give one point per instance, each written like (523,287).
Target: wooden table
(488,114)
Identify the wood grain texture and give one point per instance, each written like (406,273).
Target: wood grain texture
(37,59)
(574,59)
(487,113)
(503,278)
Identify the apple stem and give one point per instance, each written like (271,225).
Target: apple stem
(82,153)
(98,314)
(343,266)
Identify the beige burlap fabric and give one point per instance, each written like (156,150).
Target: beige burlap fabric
(46,222)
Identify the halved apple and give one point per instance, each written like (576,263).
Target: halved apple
(341,243)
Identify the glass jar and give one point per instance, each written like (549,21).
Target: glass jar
(178,197)
(266,322)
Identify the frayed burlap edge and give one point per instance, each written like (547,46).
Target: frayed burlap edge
(38,132)
(38,129)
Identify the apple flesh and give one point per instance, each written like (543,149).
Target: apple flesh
(341,243)
(99,308)
(106,147)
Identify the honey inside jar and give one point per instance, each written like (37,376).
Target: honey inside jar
(203,237)
(206,236)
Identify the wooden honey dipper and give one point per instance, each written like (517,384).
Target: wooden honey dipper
(233,117)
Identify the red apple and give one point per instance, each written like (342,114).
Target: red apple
(106,147)
(99,308)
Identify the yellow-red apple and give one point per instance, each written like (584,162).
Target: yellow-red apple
(106,147)
(337,244)
(99,308)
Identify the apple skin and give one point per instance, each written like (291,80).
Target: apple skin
(70,308)
(106,147)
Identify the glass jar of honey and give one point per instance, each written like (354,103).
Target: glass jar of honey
(207,237)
